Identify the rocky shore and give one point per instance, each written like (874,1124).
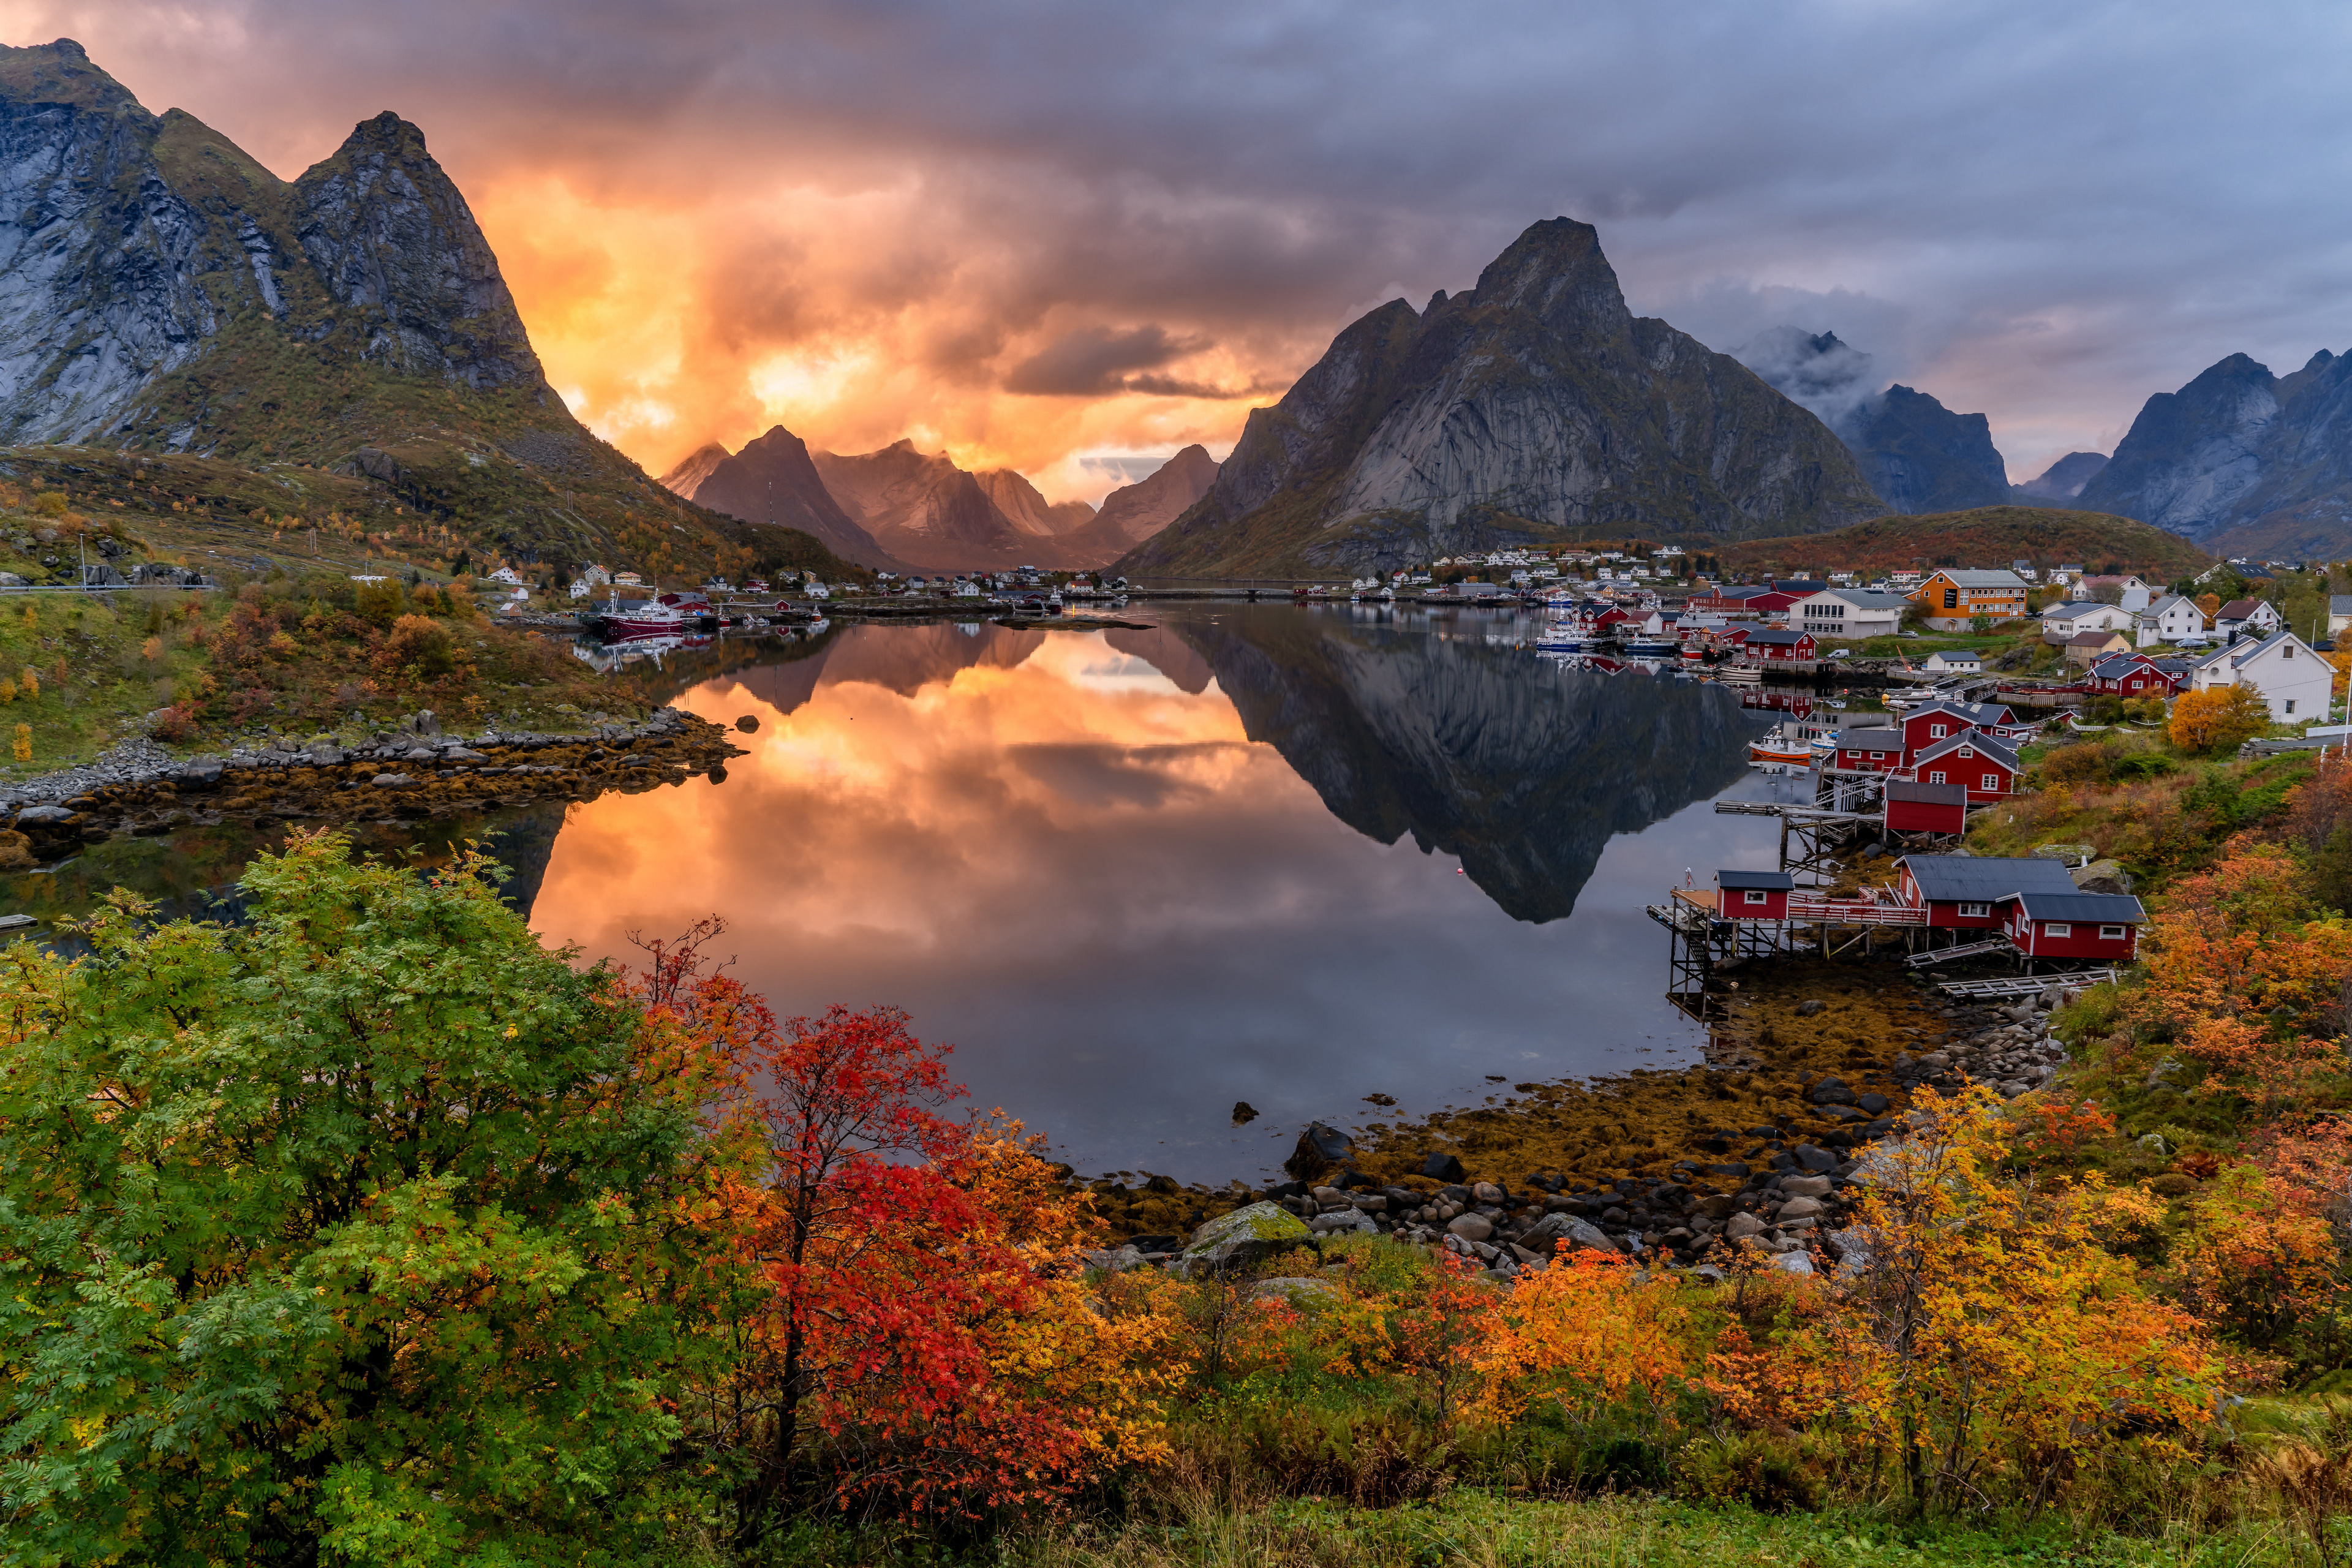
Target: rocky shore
(139,789)
(1783,1199)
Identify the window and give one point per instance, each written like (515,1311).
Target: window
(2286,650)
(2056,928)
(1937,731)
(1951,598)
(2290,704)
(1758,896)
(1878,756)
(2111,933)
(1991,781)
(1967,750)
(1976,912)
(1934,778)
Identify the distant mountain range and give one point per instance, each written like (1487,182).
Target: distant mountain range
(899,509)
(1918,455)
(1535,407)
(2245,462)
(2064,479)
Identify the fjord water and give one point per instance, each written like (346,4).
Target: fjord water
(1260,854)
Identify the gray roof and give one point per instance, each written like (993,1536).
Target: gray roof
(1779,881)
(1932,794)
(1983,579)
(1980,878)
(1974,713)
(2120,662)
(2076,905)
(1873,740)
(2339,603)
(2092,638)
(1868,599)
(1776,636)
(2159,606)
(1999,750)
(2075,607)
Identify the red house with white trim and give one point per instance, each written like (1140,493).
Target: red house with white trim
(2101,927)
(1773,643)
(1752,894)
(1870,750)
(1985,766)
(2133,675)
(1933,721)
(1960,892)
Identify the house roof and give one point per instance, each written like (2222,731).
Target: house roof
(1800,585)
(2093,638)
(1980,878)
(1778,636)
(2159,606)
(2237,609)
(1955,655)
(1999,751)
(2339,603)
(2072,607)
(2121,664)
(2239,655)
(1777,882)
(1871,740)
(1983,579)
(1865,599)
(1974,713)
(1930,793)
(2074,904)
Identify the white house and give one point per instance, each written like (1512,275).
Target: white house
(2171,619)
(1958,663)
(2258,617)
(1849,613)
(2060,622)
(2339,612)
(2292,678)
(505,574)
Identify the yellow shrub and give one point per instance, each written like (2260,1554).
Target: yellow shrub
(24,743)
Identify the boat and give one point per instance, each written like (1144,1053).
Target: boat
(1795,742)
(1053,604)
(668,616)
(1642,646)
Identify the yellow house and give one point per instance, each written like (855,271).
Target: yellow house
(1953,599)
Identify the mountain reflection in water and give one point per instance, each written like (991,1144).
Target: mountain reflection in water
(1138,876)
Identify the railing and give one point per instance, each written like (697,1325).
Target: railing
(1855,912)
(2026,985)
(1970,950)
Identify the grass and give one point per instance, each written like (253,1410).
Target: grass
(1985,536)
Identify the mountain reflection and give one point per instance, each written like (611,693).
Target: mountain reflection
(1522,769)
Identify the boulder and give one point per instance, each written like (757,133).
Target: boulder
(1486,1192)
(43,816)
(1804,1186)
(1800,1208)
(1113,1260)
(1320,1147)
(1793,1263)
(394,781)
(1809,1009)
(1339,1222)
(1740,1226)
(1244,1237)
(2102,877)
(1443,1168)
(1471,1226)
(1821,1162)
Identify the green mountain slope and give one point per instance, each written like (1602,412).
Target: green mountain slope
(1990,536)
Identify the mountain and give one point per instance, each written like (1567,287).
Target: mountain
(1026,509)
(1534,407)
(1133,513)
(1918,454)
(1986,536)
(162,292)
(2065,480)
(694,467)
(772,481)
(2241,460)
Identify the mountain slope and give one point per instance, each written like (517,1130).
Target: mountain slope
(2064,479)
(1028,511)
(772,482)
(1917,454)
(2243,460)
(1535,406)
(161,291)
(1986,536)
(1133,513)
(693,469)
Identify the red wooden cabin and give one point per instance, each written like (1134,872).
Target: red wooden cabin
(1874,751)
(1960,892)
(1913,808)
(1752,894)
(2101,927)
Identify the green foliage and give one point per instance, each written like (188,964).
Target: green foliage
(332,1236)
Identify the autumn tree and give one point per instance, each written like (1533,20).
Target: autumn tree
(2219,719)
(342,1234)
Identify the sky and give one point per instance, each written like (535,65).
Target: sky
(1071,237)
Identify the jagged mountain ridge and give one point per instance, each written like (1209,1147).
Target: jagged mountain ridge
(1918,455)
(773,480)
(165,292)
(1133,513)
(1027,509)
(1535,406)
(2241,460)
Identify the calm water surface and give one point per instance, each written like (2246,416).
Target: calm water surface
(1288,857)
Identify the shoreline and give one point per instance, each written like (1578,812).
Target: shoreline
(137,789)
(1749,1153)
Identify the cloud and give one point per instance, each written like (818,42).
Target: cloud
(1091,361)
(2045,214)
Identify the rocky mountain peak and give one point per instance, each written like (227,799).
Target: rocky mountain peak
(1555,272)
(63,73)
